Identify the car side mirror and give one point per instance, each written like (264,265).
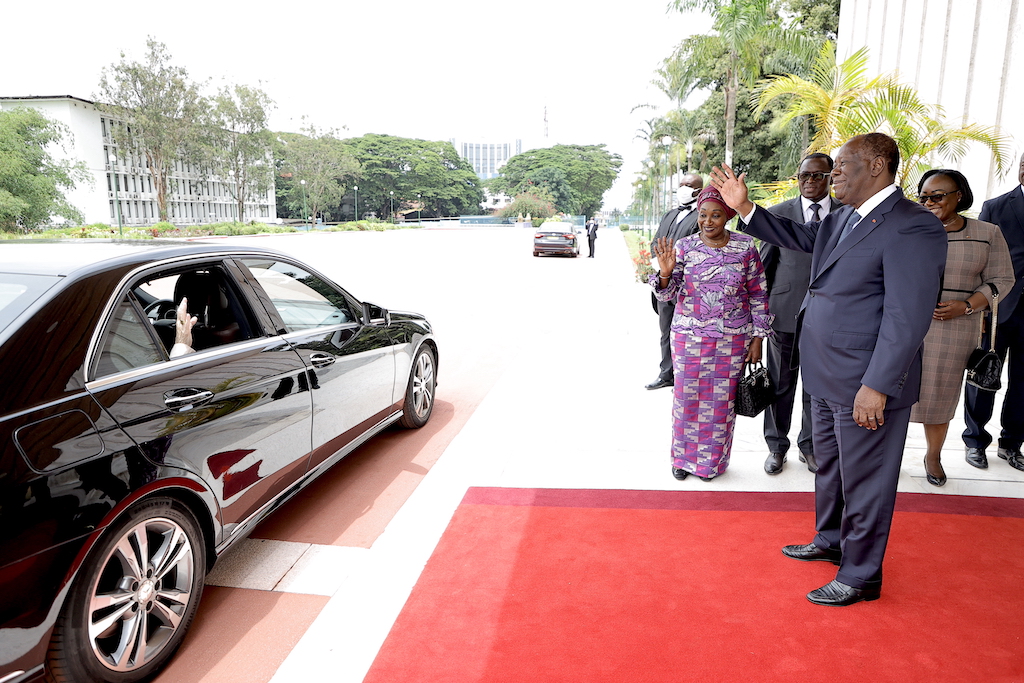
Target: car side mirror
(372,313)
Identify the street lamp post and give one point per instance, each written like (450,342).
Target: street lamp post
(356,188)
(392,206)
(305,210)
(117,199)
(419,210)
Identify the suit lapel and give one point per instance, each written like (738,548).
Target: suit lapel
(867,225)
(1017,206)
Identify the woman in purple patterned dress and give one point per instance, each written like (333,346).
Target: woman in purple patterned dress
(717,281)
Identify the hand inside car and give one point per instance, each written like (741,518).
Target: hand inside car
(183,323)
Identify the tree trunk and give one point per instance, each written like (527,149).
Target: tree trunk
(731,92)
(160,180)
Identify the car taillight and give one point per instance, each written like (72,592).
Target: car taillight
(569,237)
(538,236)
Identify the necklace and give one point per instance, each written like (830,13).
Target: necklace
(953,220)
(714,245)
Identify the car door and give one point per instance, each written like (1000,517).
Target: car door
(236,412)
(351,360)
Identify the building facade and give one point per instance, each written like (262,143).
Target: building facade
(122,189)
(487,158)
(964,55)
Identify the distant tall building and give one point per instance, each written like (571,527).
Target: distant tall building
(486,158)
(122,180)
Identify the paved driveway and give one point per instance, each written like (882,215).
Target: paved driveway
(542,372)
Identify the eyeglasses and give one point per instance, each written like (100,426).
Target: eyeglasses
(812,176)
(936,198)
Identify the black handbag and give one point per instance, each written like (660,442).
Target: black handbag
(755,391)
(984,368)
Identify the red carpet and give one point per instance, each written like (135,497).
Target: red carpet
(592,586)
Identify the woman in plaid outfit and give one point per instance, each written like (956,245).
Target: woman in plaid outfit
(977,267)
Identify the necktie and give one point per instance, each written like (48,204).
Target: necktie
(815,208)
(850,222)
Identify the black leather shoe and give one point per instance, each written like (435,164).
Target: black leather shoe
(659,383)
(774,463)
(1013,457)
(933,480)
(837,594)
(679,474)
(1007,453)
(808,458)
(812,553)
(977,457)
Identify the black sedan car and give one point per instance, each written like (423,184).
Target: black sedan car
(556,237)
(125,470)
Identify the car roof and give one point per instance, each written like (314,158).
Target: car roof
(556,225)
(64,257)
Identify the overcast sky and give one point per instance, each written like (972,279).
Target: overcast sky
(479,72)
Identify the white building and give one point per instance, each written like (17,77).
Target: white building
(126,181)
(487,158)
(965,55)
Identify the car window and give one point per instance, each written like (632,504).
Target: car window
(222,316)
(127,343)
(304,300)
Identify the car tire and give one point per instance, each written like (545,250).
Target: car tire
(536,253)
(137,591)
(419,393)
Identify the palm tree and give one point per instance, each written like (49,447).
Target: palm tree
(841,102)
(691,130)
(745,32)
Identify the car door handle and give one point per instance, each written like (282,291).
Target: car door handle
(321,360)
(181,400)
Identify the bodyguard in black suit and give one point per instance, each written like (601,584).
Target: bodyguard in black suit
(789,273)
(591,235)
(1006,211)
(679,222)
(876,268)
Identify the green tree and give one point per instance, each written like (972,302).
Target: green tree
(240,143)
(555,184)
(315,171)
(842,101)
(589,170)
(535,203)
(32,182)
(158,111)
(746,33)
(424,172)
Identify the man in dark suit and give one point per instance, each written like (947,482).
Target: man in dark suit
(876,268)
(677,223)
(591,235)
(788,274)
(1006,211)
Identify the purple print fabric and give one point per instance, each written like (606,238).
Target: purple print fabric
(721,301)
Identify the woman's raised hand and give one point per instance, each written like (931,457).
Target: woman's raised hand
(665,252)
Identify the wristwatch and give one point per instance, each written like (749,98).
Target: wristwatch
(970,309)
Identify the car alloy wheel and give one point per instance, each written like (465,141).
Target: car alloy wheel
(419,396)
(134,599)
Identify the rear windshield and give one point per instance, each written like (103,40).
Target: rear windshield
(18,292)
(556,229)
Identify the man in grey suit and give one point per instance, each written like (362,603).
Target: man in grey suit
(876,269)
(1006,211)
(677,223)
(789,273)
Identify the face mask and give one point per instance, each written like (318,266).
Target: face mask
(685,195)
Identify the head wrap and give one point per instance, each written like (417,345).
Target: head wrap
(711,194)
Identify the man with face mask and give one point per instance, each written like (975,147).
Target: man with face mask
(679,222)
